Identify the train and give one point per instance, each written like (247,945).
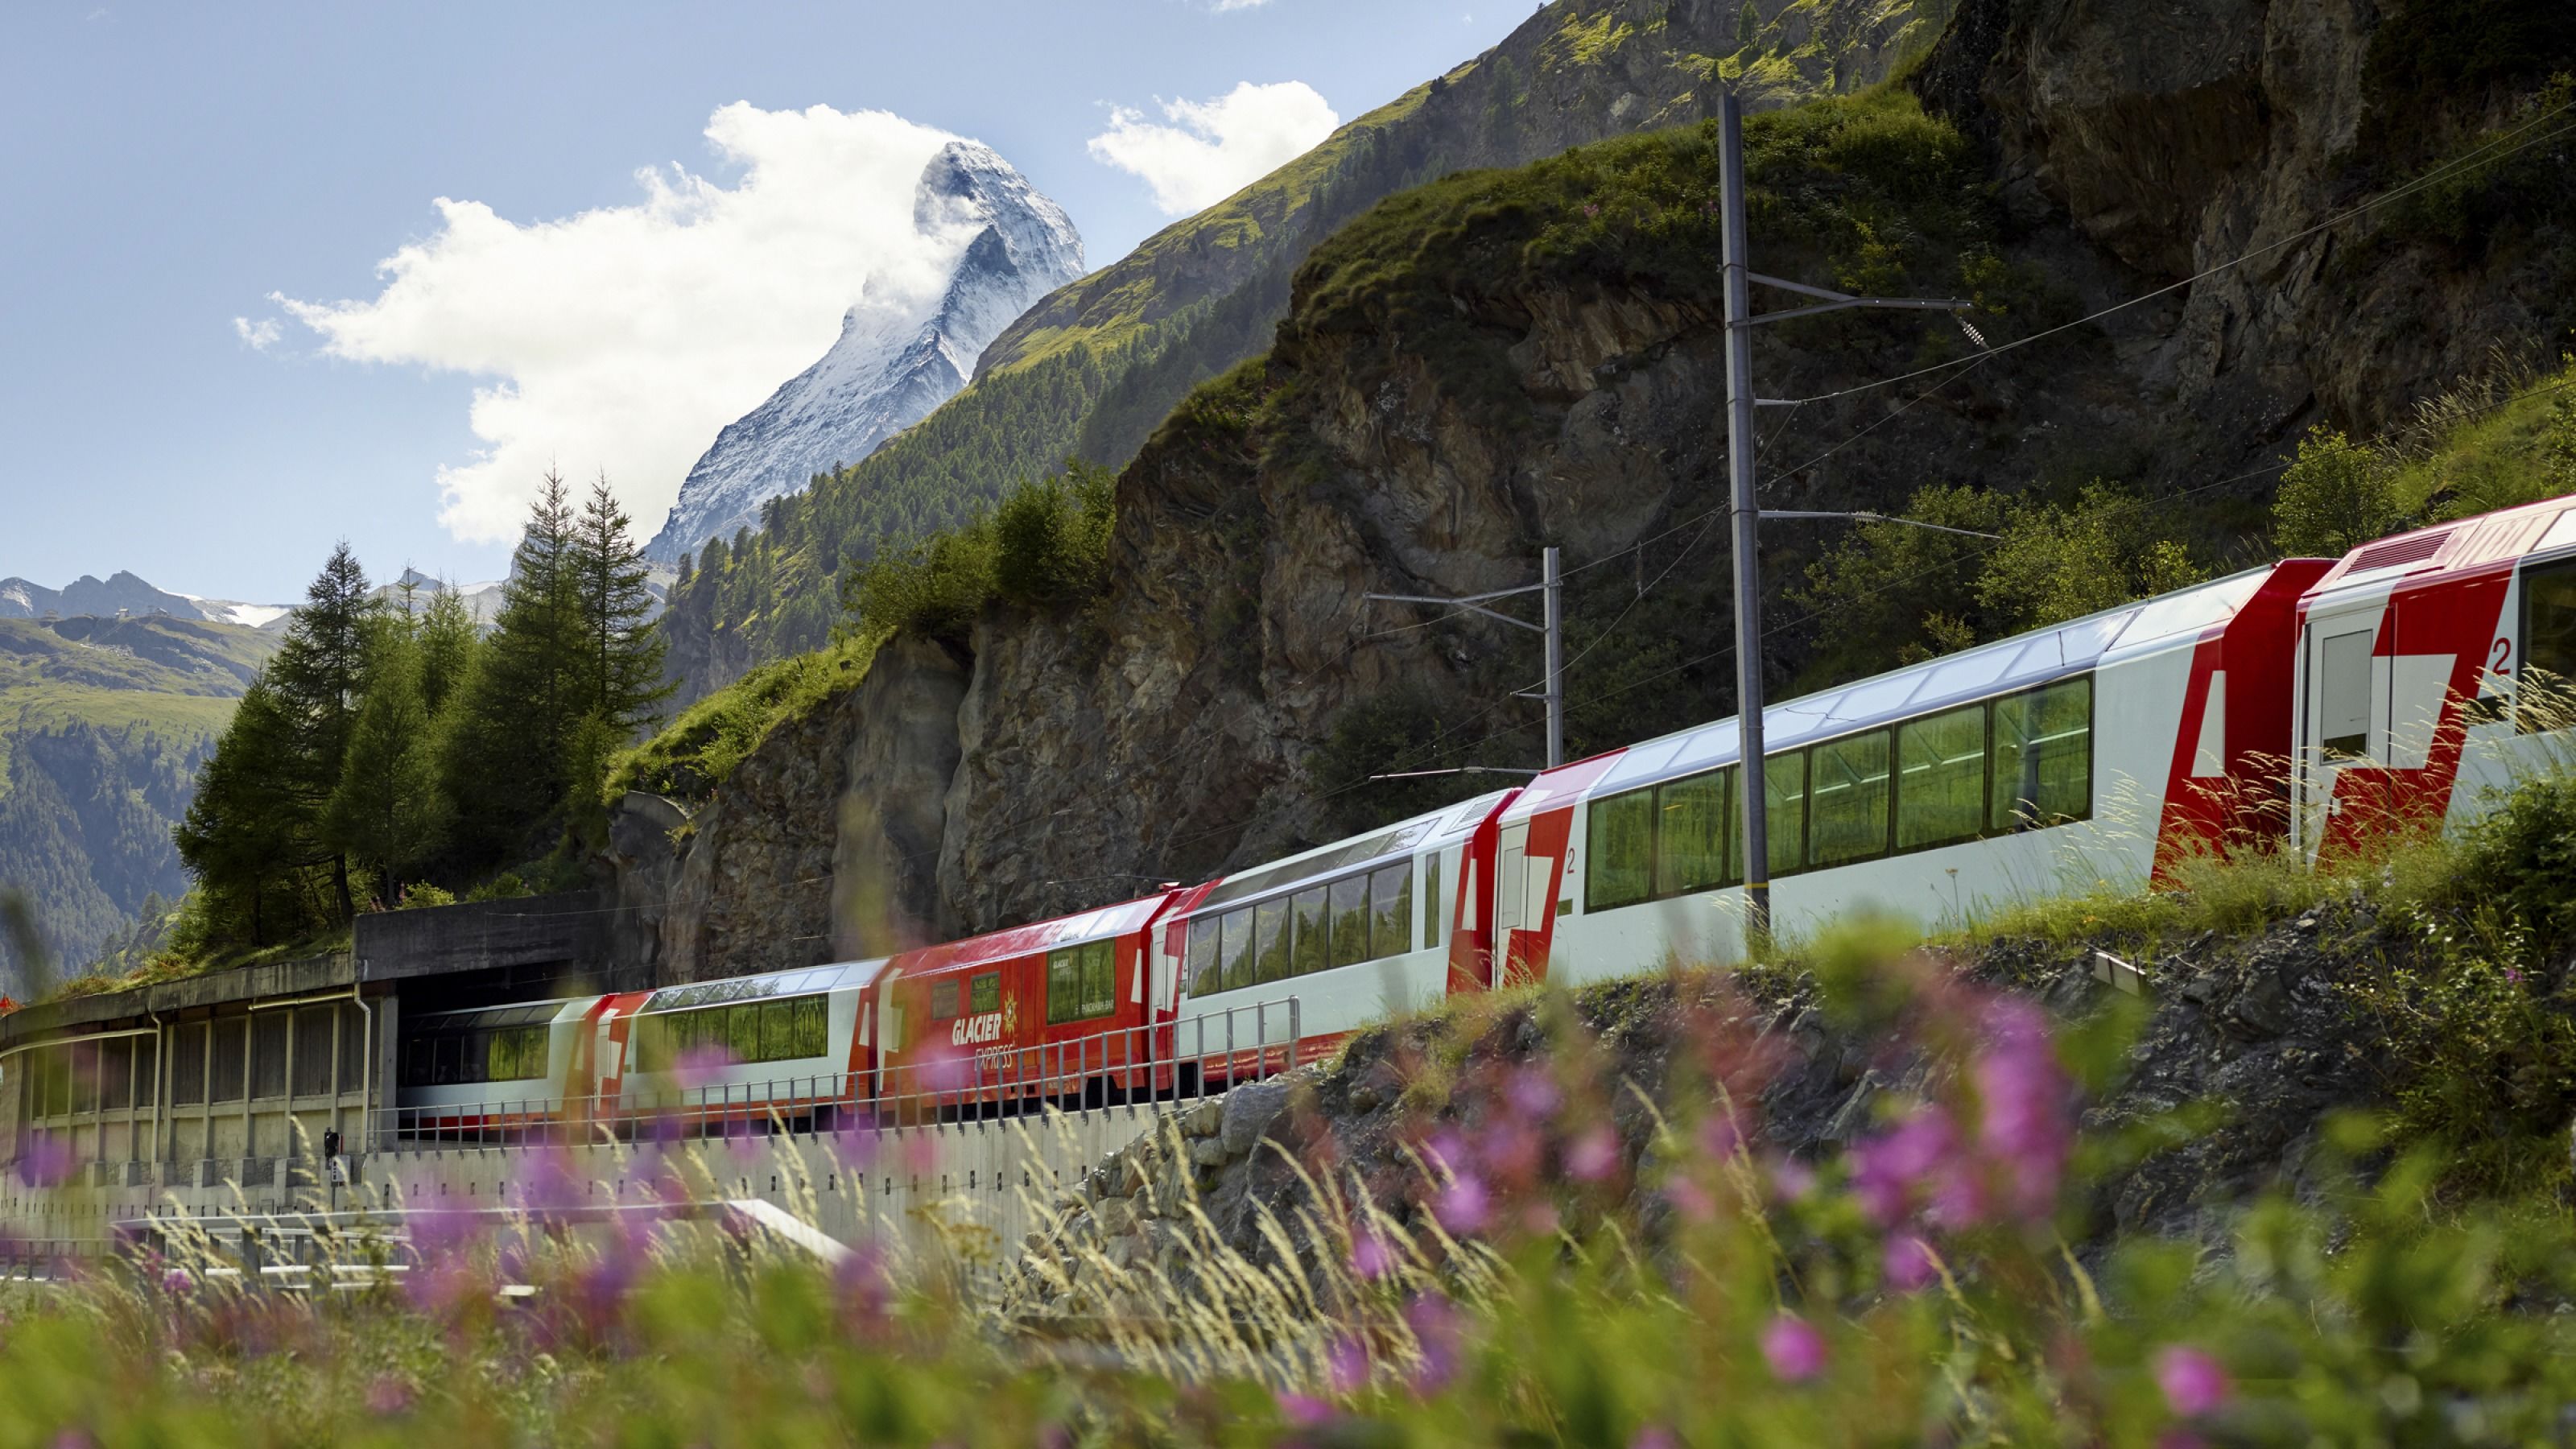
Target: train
(2306,703)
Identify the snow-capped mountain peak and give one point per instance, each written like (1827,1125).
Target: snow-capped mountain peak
(898,355)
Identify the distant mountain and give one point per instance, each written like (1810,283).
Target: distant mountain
(120,593)
(103,725)
(898,357)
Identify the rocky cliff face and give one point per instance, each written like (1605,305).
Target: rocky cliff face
(898,357)
(1424,425)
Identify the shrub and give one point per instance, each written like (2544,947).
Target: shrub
(2336,497)
(423,896)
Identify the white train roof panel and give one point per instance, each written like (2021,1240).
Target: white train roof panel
(1395,842)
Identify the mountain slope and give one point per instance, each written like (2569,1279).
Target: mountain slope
(103,725)
(897,358)
(1095,366)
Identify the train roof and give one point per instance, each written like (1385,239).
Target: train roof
(1392,843)
(2461,546)
(517,1013)
(804,981)
(1036,936)
(2020,662)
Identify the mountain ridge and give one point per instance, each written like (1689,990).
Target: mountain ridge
(894,360)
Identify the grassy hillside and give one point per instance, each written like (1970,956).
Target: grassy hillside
(1096,366)
(103,724)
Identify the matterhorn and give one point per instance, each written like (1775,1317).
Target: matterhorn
(898,357)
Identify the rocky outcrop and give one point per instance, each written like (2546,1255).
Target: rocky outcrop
(819,847)
(2179,138)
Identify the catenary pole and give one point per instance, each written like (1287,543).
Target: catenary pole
(1554,599)
(1748,523)
(1551,591)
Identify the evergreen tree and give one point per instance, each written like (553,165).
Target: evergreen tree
(244,832)
(504,759)
(318,674)
(388,811)
(624,651)
(448,642)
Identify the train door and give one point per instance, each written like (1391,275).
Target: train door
(2344,724)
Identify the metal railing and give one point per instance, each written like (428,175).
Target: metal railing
(961,1082)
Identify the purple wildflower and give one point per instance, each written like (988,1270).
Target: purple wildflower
(1346,1366)
(1654,1436)
(1436,1329)
(1690,1198)
(1887,1169)
(178,1282)
(1464,1205)
(1909,1264)
(1371,1258)
(1793,1349)
(2194,1383)
(1533,1094)
(1592,1155)
(1304,1410)
(2022,1116)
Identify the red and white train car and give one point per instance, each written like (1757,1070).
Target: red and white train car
(2431,667)
(1356,930)
(2096,750)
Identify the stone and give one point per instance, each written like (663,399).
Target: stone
(1117,1217)
(1249,1111)
(1208,1152)
(1204,1119)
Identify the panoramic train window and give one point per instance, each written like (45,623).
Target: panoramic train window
(1784,794)
(984,993)
(1270,931)
(2547,692)
(791,1029)
(1391,902)
(1690,832)
(1206,967)
(1237,948)
(1941,778)
(2043,764)
(943,998)
(1847,799)
(1620,835)
(1307,955)
(1350,908)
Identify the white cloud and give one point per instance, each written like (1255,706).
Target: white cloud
(1212,148)
(623,338)
(258,336)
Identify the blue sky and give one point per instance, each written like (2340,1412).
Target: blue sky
(170,169)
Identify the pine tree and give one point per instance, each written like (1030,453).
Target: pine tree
(624,651)
(504,760)
(319,674)
(243,830)
(448,641)
(388,810)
